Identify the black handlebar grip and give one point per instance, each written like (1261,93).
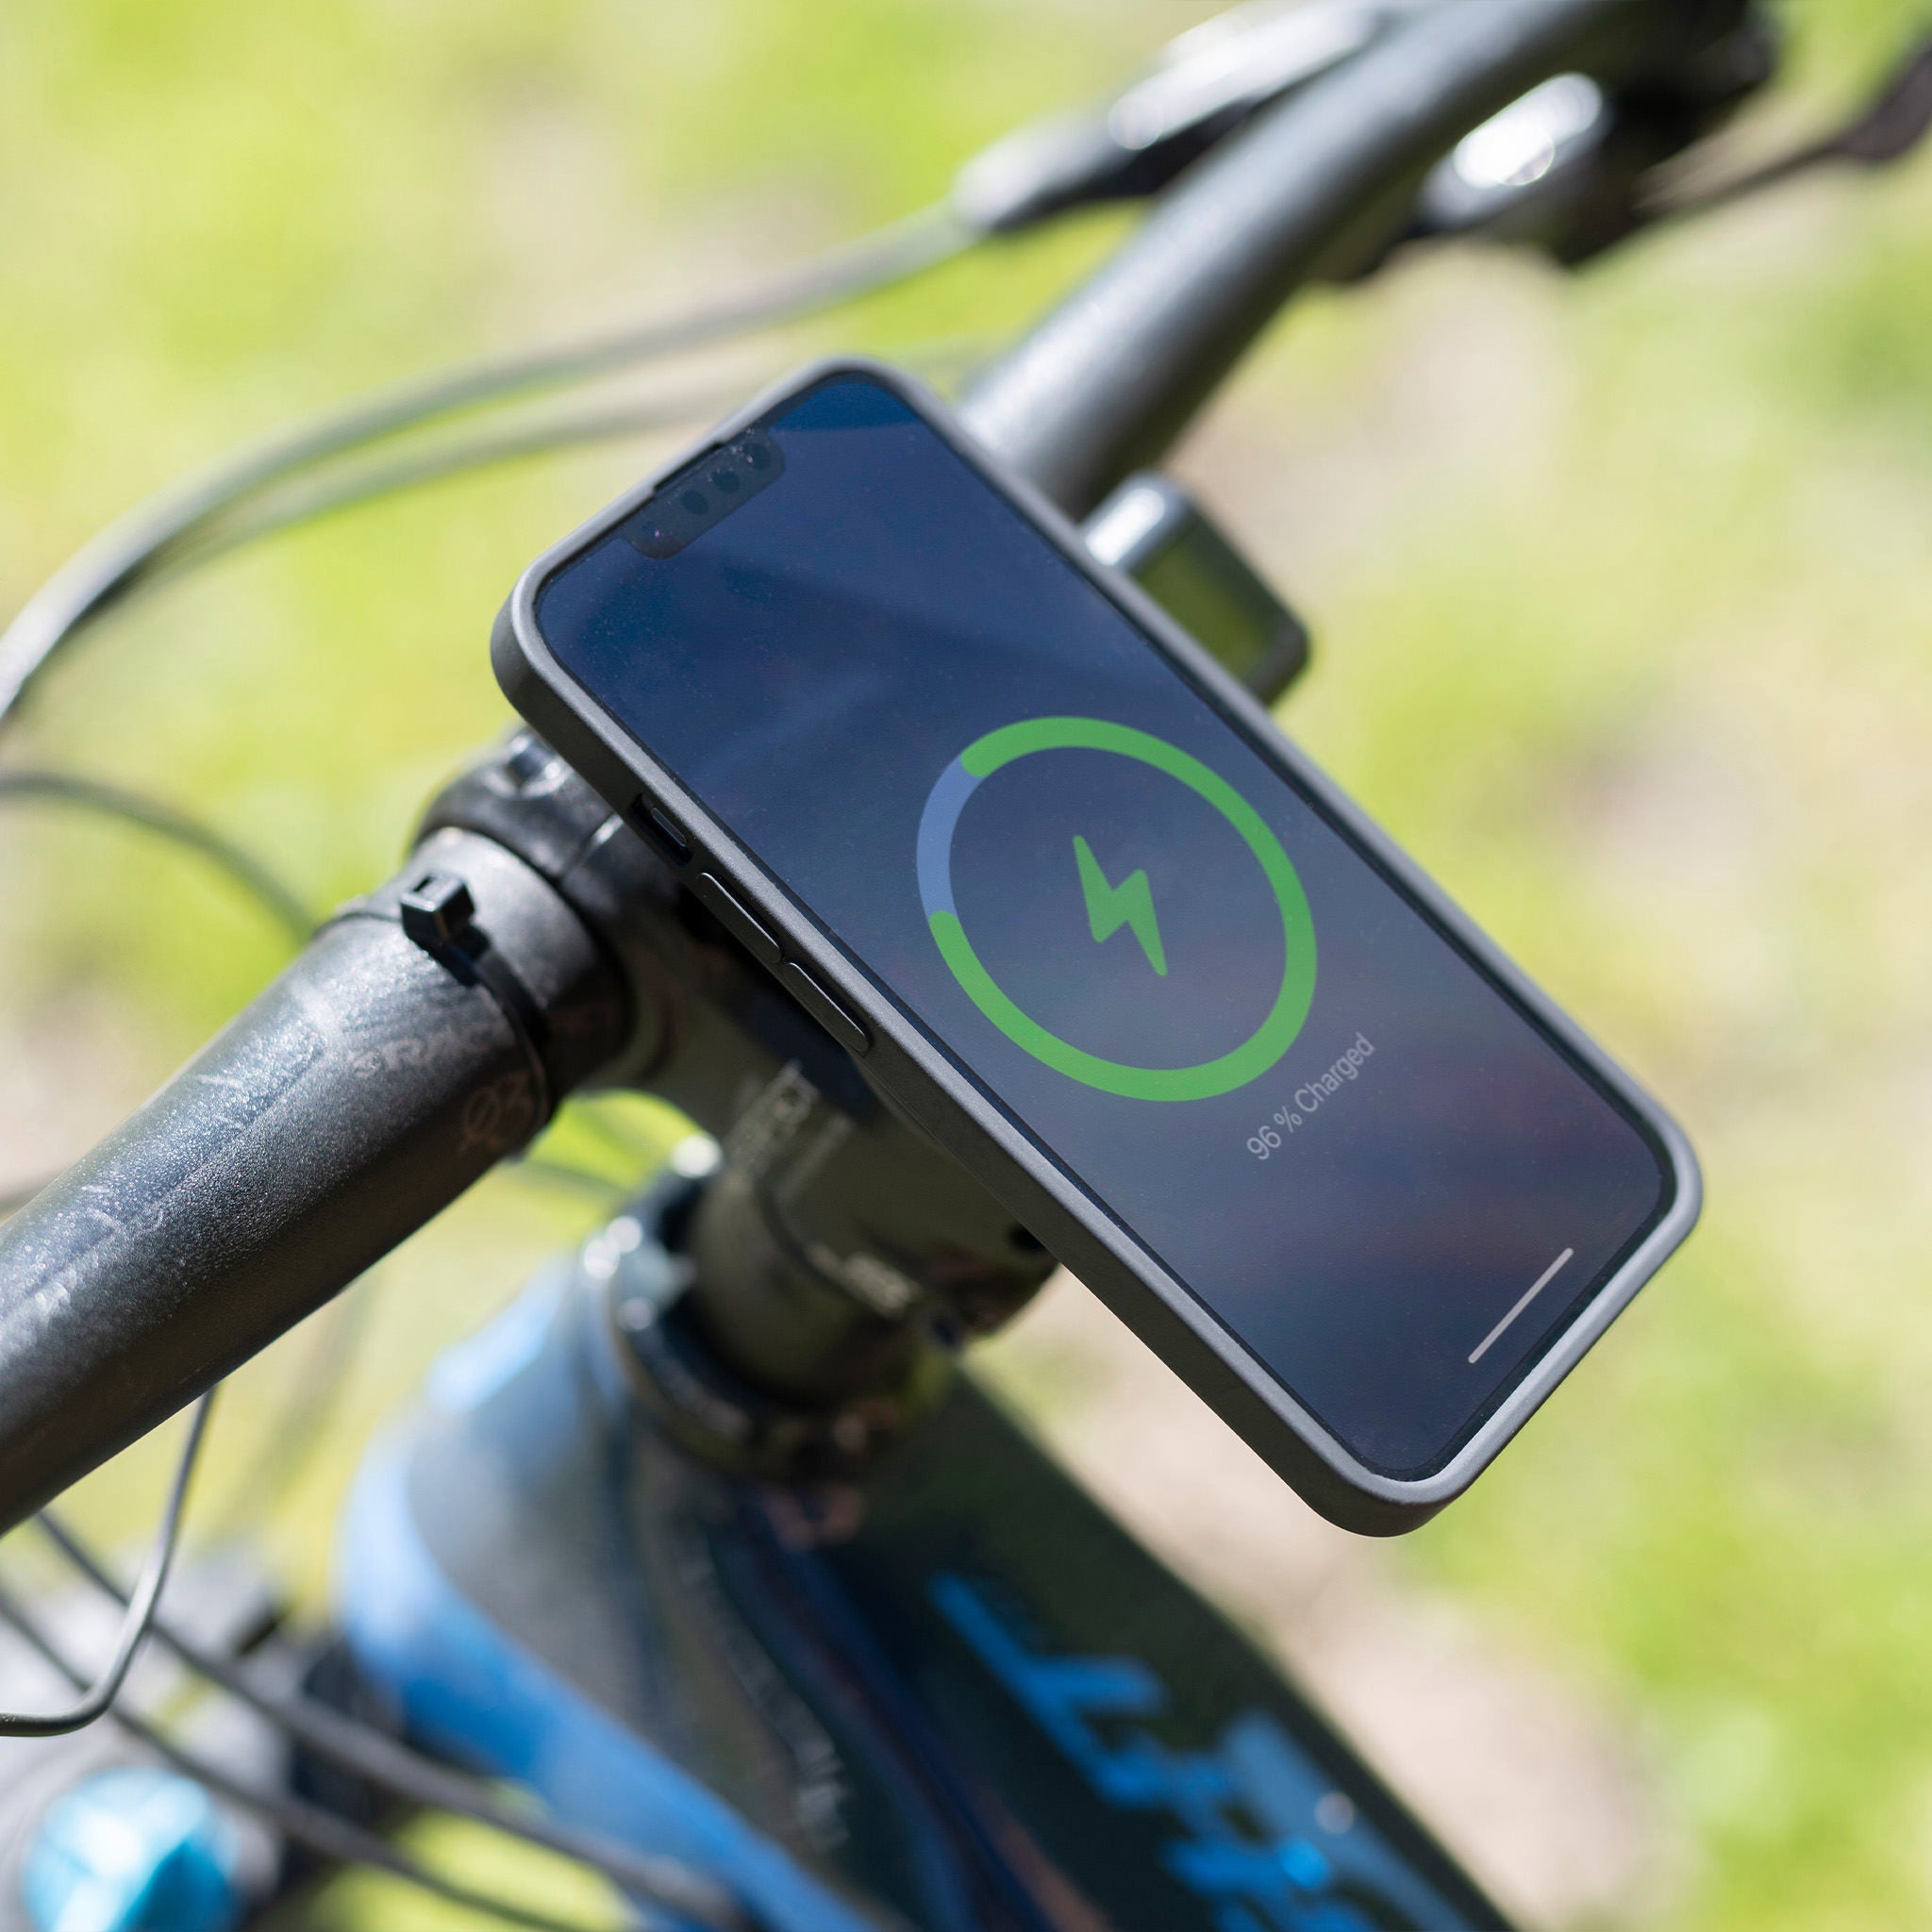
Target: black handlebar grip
(370,1084)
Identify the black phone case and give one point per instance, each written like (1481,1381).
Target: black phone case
(910,1070)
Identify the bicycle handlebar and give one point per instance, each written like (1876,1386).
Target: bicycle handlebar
(1105,383)
(364,1089)
(376,1080)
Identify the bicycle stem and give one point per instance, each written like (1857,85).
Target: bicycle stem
(838,1243)
(409,1049)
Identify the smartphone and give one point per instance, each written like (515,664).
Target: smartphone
(1090,920)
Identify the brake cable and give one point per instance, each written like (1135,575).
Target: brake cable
(274,894)
(317,1830)
(141,1605)
(130,551)
(378,1759)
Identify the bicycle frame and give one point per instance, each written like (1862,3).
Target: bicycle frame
(954,1694)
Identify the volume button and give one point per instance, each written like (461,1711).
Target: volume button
(824,1007)
(736,920)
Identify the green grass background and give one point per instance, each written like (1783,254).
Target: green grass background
(1621,586)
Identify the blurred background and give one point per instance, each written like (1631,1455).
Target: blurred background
(1620,585)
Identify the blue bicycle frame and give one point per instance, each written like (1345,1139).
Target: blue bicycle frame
(954,1694)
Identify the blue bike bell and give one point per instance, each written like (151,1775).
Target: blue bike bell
(136,1849)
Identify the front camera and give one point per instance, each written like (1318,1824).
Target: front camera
(692,500)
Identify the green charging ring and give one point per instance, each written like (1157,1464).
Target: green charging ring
(1208,1078)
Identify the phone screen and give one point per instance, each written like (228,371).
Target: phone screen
(1164,958)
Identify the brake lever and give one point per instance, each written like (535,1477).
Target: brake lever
(1888,129)
(1197,89)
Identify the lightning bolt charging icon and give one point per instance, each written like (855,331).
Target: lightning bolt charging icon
(1129,904)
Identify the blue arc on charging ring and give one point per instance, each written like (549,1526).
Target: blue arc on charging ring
(942,809)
